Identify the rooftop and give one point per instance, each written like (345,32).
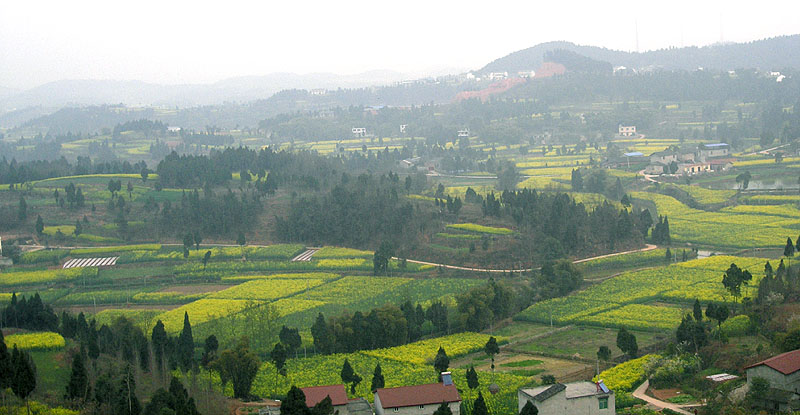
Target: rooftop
(316,394)
(434,393)
(786,363)
(572,390)
(716,145)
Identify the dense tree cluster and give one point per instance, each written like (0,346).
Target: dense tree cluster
(29,313)
(21,172)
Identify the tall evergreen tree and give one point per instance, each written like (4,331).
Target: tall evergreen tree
(6,367)
(441,362)
(125,402)
(697,310)
(479,408)
(529,409)
(78,386)
(186,345)
(278,357)
(295,403)
(159,340)
(23,381)
(788,250)
(472,378)
(39,225)
(378,381)
(443,409)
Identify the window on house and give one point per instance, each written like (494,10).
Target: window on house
(603,403)
(422,407)
(395,409)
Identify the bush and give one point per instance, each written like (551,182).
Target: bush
(37,257)
(736,326)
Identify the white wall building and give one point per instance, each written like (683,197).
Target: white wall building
(578,398)
(783,374)
(418,400)
(627,130)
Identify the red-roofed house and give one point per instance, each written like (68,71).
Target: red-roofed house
(783,374)
(417,400)
(338,394)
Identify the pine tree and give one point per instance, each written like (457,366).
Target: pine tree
(441,362)
(278,357)
(479,408)
(529,409)
(295,403)
(491,348)
(78,385)
(186,345)
(24,380)
(378,382)
(697,310)
(6,368)
(39,225)
(443,409)
(788,250)
(22,214)
(472,378)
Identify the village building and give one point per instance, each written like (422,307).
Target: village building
(664,157)
(714,150)
(783,374)
(338,394)
(627,130)
(419,399)
(578,398)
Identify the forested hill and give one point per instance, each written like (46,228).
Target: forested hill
(768,54)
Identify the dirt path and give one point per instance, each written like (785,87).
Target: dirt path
(648,247)
(640,393)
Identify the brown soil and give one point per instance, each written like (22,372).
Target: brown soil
(663,394)
(194,289)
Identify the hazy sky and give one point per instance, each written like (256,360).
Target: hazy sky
(196,42)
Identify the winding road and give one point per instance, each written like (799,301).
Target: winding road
(640,394)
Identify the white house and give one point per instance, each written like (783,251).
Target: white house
(578,398)
(714,150)
(664,157)
(627,130)
(419,399)
(359,131)
(783,374)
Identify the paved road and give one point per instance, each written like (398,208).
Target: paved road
(640,393)
(649,247)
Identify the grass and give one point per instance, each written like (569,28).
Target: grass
(472,227)
(584,342)
(522,363)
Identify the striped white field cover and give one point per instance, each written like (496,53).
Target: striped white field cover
(305,256)
(90,262)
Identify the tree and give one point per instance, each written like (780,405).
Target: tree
(491,349)
(604,353)
(206,257)
(788,250)
(529,409)
(479,408)
(734,278)
(692,333)
(472,378)
(380,260)
(627,343)
(241,241)
(278,357)
(759,388)
(577,180)
(144,173)
(78,386)
(348,375)
(39,225)
(185,347)
(24,379)
(130,190)
(323,407)
(78,228)
(441,362)
(378,382)
(240,366)
(322,336)
(197,238)
(159,340)
(125,401)
(548,380)
(443,409)
(22,213)
(719,313)
(6,367)
(697,310)
(295,403)
(291,339)
(210,347)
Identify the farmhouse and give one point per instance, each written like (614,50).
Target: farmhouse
(714,150)
(418,400)
(337,393)
(578,398)
(783,374)
(627,130)
(664,157)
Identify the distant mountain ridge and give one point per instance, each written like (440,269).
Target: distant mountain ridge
(767,54)
(138,93)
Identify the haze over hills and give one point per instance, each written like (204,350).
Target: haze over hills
(240,89)
(766,54)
